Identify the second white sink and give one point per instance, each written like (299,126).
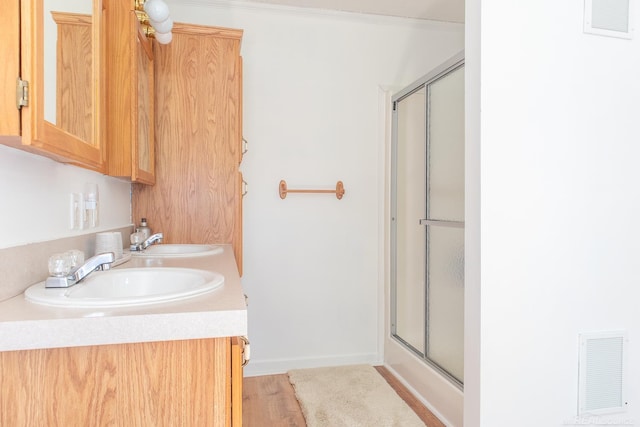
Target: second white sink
(178,250)
(128,287)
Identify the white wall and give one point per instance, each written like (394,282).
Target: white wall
(558,209)
(34,194)
(311,81)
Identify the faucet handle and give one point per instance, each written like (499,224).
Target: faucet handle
(137,237)
(59,265)
(100,261)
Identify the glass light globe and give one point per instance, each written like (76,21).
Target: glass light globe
(163,38)
(162,27)
(157,10)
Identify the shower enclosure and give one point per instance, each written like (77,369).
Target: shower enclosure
(427,219)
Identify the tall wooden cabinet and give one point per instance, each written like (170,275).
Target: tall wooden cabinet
(197,197)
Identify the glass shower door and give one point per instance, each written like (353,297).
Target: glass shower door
(410,205)
(428,222)
(445,223)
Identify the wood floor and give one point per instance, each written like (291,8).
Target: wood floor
(269,401)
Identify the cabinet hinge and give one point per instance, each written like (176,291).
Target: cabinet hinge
(22,93)
(246,351)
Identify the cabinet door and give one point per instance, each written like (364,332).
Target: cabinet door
(237,363)
(143,161)
(239,138)
(9,67)
(130,90)
(240,192)
(39,133)
(165,383)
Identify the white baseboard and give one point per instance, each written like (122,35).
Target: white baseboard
(280,366)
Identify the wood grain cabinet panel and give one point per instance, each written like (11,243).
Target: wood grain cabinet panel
(169,383)
(74,106)
(130,91)
(9,67)
(198,102)
(237,377)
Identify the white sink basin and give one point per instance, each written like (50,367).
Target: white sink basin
(178,250)
(128,287)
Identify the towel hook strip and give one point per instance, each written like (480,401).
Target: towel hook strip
(339,191)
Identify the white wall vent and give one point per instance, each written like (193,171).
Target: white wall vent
(608,18)
(602,372)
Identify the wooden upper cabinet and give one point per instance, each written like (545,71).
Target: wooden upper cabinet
(130,94)
(62,118)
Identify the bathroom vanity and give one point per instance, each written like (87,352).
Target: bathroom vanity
(173,363)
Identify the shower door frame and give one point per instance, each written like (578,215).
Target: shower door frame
(442,70)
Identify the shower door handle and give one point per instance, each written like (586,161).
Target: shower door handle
(442,223)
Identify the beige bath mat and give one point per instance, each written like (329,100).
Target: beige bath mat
(350,396)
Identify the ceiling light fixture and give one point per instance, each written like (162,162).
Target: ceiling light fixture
(155,13)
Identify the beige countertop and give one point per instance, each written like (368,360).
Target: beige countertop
(220,313)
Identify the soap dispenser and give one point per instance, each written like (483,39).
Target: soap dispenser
(144,228)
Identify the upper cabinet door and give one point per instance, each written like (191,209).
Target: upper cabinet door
(9,69)
(60,59)
(143,159)
(130,90)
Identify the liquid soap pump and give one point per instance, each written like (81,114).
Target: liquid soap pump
(144,228)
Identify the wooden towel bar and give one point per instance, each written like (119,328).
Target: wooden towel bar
(339,191)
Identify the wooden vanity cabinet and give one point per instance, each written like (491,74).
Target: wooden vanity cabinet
(22,53)
(169,383)
(130,90)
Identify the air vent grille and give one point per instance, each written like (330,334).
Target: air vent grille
(602,373)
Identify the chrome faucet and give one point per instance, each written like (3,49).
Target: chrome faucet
(156,238)
(99,262)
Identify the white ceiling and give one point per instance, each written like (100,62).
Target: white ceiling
(438,10)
